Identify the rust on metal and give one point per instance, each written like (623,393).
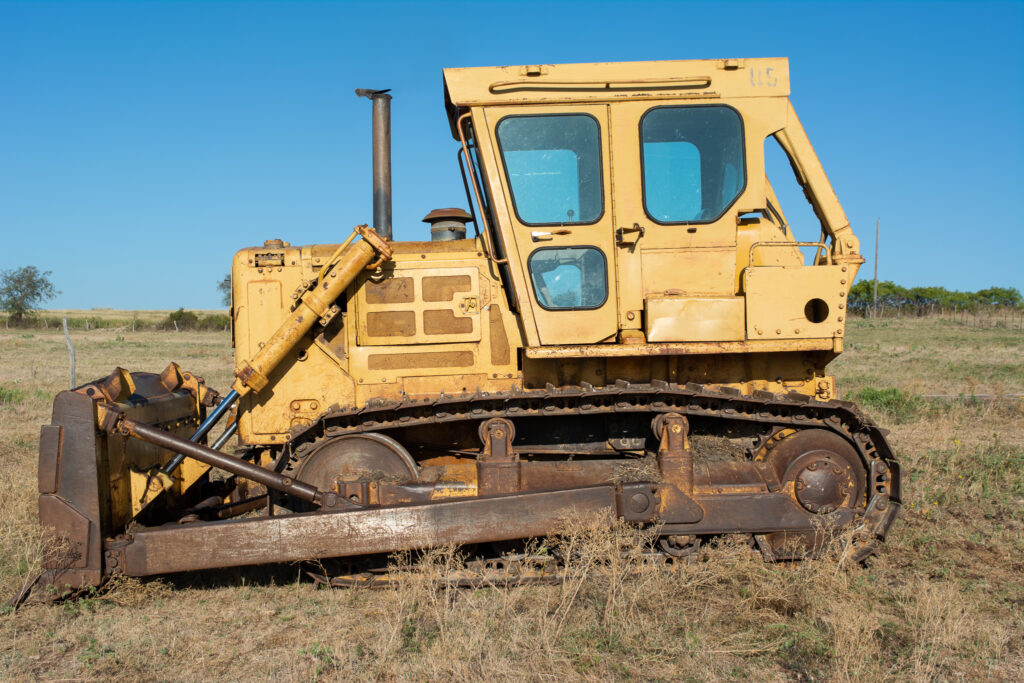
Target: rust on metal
(447,214)
(340,534)
(498,465)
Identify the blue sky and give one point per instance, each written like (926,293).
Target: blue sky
(141,144)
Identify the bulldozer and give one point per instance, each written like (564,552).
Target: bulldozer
(631,331)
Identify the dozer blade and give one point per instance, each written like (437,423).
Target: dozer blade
(93,483)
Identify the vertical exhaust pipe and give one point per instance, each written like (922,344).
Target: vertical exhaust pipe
(381,159)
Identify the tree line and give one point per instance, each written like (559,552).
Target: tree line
(892,295)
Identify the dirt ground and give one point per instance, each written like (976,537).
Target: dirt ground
(943,601)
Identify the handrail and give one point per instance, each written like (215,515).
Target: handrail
(476,191)
(821,246)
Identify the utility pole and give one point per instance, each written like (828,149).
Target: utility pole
(874,302)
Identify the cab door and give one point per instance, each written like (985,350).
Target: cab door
(680,171)
(553,203)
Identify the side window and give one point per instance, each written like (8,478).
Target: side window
(553,165)
(569,278)
(693,165)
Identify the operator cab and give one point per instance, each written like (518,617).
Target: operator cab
(628,204)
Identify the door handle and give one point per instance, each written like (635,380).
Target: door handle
(621,232)
(538,235)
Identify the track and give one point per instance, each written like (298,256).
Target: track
(760,418)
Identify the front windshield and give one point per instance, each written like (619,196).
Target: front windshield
(553,165)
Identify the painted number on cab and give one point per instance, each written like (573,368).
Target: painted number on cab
(764,77)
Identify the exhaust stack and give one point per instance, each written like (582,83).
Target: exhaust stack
(381,159)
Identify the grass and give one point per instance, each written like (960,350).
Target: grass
(944,600)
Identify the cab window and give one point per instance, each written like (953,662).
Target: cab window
(553,165)
(569,278)
(693,164)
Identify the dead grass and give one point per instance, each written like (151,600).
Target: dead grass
(944,600)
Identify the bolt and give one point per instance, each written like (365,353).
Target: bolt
(778,331)
(630,315)
(638,502)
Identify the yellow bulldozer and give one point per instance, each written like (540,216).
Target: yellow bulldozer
(631,331)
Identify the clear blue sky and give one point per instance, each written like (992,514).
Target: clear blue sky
(141,144)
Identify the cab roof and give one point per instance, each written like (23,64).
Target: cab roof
(610,81)
(619,80)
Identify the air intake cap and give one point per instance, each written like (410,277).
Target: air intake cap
(447,224)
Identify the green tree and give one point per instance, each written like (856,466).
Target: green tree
(1000,296)
(224,287)
(23,289)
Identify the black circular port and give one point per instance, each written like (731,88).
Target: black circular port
(816,311)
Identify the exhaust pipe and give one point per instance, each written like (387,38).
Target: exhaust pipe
(381,159)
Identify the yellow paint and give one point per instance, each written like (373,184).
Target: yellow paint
(722,302)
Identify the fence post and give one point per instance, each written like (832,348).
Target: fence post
(175,325)
(71,355)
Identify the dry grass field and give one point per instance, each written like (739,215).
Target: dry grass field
(944,600)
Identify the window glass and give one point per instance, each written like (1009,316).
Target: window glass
(569,278)
(554,167)
(693,162)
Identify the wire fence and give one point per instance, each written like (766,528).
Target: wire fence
(1007,317)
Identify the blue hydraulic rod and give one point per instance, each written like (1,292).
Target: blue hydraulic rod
(208,423)
(223,438)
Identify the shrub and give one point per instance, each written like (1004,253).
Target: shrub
(187,320)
